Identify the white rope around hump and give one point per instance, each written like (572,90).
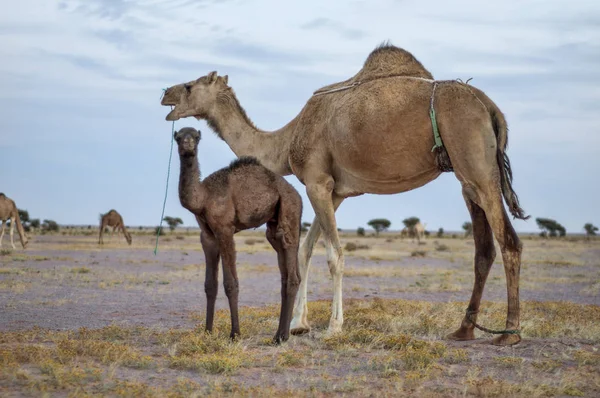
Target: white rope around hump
(349,86)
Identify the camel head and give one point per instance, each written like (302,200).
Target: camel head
(187,140)
(195,98)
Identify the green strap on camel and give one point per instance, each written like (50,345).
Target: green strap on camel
(437,139)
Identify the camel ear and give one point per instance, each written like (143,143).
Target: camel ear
(225,79)
(175,135)
(212,77)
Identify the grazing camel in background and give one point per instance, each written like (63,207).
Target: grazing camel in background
(384,110)
(242,196)
(9,211)
(419,231)
(113,219)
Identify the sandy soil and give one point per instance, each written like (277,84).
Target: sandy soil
(132,286)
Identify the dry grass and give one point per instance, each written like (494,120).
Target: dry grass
(387,344)
(388,348)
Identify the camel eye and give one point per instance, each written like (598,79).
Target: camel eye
(188,88)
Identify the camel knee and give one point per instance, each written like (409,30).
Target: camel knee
(335,260)
(211,290)
(231,288)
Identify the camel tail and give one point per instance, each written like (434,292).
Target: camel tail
(21,231)
(506,176)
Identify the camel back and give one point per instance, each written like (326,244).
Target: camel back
(385,61)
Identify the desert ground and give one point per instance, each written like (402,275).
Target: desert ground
(78,319)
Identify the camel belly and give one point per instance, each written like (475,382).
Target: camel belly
(347,184)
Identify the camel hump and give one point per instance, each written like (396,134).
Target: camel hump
(385,61)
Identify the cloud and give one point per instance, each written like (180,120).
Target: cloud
(85,76)
(339,28)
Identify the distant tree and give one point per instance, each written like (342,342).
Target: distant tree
(410,222)
(360,231)
(305,226)
(440,233)
(35,223)
(159,231)
(379,224)
(173,222)
(24,216)
(468,227)
(590,229)
(50,226)
(550,227)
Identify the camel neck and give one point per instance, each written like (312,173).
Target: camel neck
(191,189)
(270,148)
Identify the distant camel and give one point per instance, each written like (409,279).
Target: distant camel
(374,133)
(242,196)
(419,231)
(113,219)
(9,211)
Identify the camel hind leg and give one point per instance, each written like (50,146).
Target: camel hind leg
(485,253)
(486,194)
(284,236)
(100,237)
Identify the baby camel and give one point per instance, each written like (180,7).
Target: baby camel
(242,196)
(113,219)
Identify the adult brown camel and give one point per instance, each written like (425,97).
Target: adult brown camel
(373,134)
(9,211)
(113,219)
(242,196)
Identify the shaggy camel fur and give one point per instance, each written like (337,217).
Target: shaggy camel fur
(242,196)
(113,219)
(9,211)
(375,136)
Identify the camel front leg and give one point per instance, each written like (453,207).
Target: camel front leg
(210,247)
(2,233)
(12,232)
(230,280)
(320,194)
(300,323)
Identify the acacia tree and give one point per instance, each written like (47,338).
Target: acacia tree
(360,231)
(50,226)
(468,227)
(173,222)
(590,229)
(550,227)
(379,224)
(410,222)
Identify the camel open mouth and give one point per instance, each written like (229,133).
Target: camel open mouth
(173,115)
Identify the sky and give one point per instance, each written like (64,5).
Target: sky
(82,130)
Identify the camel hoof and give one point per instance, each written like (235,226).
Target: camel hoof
(462,334)
(300,330)
(506,340)
(278,339)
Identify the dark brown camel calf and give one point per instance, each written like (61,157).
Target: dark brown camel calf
(242,196)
